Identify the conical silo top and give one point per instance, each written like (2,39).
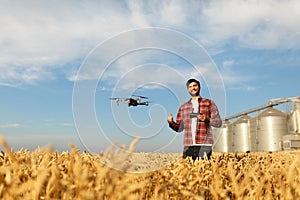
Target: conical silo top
(243,119)
(271,112)
(226,123)
(297,105)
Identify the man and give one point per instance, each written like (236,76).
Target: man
(196,117)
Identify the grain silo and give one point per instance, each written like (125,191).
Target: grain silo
(272,130)
(224,142)
(272,125)
(294,119)
(253,133)
(241,134)
(292,140)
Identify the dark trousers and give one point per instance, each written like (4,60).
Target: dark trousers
(197,152)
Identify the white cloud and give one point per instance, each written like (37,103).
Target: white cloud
(14,76)
(233,79)
(67,124)
(48,35)
(40,38)
(137,15)
(174,13)
(256,24)
(13,125)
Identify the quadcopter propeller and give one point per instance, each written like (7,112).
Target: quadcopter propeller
(119,99)
(142,97)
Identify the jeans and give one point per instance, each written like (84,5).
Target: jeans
(197,152)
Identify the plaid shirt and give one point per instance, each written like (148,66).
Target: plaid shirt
(204,132)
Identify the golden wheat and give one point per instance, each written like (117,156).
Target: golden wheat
(47,174)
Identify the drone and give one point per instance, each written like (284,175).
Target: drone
(132,101)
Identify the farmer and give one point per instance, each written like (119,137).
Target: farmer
(196,117)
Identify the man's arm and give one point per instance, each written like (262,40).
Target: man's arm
(215,119)
(178,125)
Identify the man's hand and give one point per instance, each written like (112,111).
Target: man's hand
(170,118)
(203,118)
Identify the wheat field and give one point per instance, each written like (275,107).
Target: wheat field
(114,174)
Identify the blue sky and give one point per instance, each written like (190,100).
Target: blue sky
(60,63)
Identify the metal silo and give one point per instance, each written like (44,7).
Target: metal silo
(224,142)
(253,133)
(292,140)
(272,125)
(241,135)
(294,119)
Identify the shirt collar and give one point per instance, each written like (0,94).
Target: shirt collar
(199,99)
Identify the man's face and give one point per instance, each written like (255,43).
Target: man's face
(193,89)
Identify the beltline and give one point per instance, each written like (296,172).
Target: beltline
(201,145)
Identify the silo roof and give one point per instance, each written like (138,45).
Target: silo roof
(271,112)
(243,119)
